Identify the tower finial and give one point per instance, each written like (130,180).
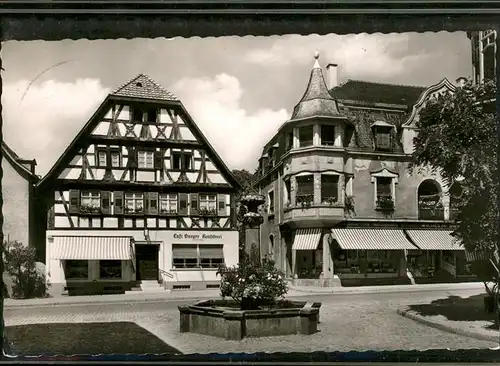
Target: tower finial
(316,63)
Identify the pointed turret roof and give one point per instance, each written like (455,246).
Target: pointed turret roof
(142,86)
(317,100)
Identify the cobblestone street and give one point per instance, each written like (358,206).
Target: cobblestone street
(348,322)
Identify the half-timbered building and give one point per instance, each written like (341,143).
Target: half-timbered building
(139,200)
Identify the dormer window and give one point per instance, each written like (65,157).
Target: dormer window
(328,135)
(382,135)
(306,136)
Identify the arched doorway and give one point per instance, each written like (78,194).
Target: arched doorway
(430,206)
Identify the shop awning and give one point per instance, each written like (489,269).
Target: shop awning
(434,240)
(306,239)
(371,239)
(92,247)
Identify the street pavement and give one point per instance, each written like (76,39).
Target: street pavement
(349,321)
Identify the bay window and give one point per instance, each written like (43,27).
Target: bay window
(306,136)
(305,189)
(329,188)
(327,135)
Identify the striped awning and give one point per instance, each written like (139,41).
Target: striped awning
(434,240)
(306,239)
(92,247)
(371,239)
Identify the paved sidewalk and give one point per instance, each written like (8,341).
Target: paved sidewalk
(293,291)
(476,330)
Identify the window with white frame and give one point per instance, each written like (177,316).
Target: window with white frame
(90,199)
(270,199)
(134,202)
(208,202)
(115,159)
(101,158)
(168,203)
(384,189)
(145,159)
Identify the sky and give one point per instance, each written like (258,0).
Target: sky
(239,90)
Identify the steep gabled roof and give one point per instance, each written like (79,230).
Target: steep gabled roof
(142,86)
(17,163)
(316,101)
(130,91)
(371,92)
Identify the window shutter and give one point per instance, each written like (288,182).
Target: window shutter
(152,202)
(183,203)
(158,159)
(118,203)
(194,204)
(222,204)
(105,202)
(184,251)
(132,157)
(74,200)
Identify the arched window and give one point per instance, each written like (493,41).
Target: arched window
(430,206)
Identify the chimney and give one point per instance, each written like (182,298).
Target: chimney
(332,75)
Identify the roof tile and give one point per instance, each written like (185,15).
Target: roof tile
(142,86)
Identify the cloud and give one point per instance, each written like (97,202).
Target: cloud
(46,120)
(361,56)
(236,134)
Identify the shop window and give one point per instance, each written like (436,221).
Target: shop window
(328,135)
(168,203)
(211,256)
(305,189)
(306,136)
(110,269)
(134,203)
(76,269)
(184,256)
(329,189)
(145,159)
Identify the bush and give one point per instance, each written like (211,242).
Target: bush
(20,263)
(253,285)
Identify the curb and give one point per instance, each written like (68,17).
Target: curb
(482,337)
(365,290)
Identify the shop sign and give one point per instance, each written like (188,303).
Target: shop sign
(197,237)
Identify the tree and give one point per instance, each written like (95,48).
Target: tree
(20,263)
(457,135)
(245,178)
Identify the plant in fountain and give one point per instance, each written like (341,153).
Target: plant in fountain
(253,285)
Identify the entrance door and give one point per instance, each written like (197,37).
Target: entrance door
(147,262)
